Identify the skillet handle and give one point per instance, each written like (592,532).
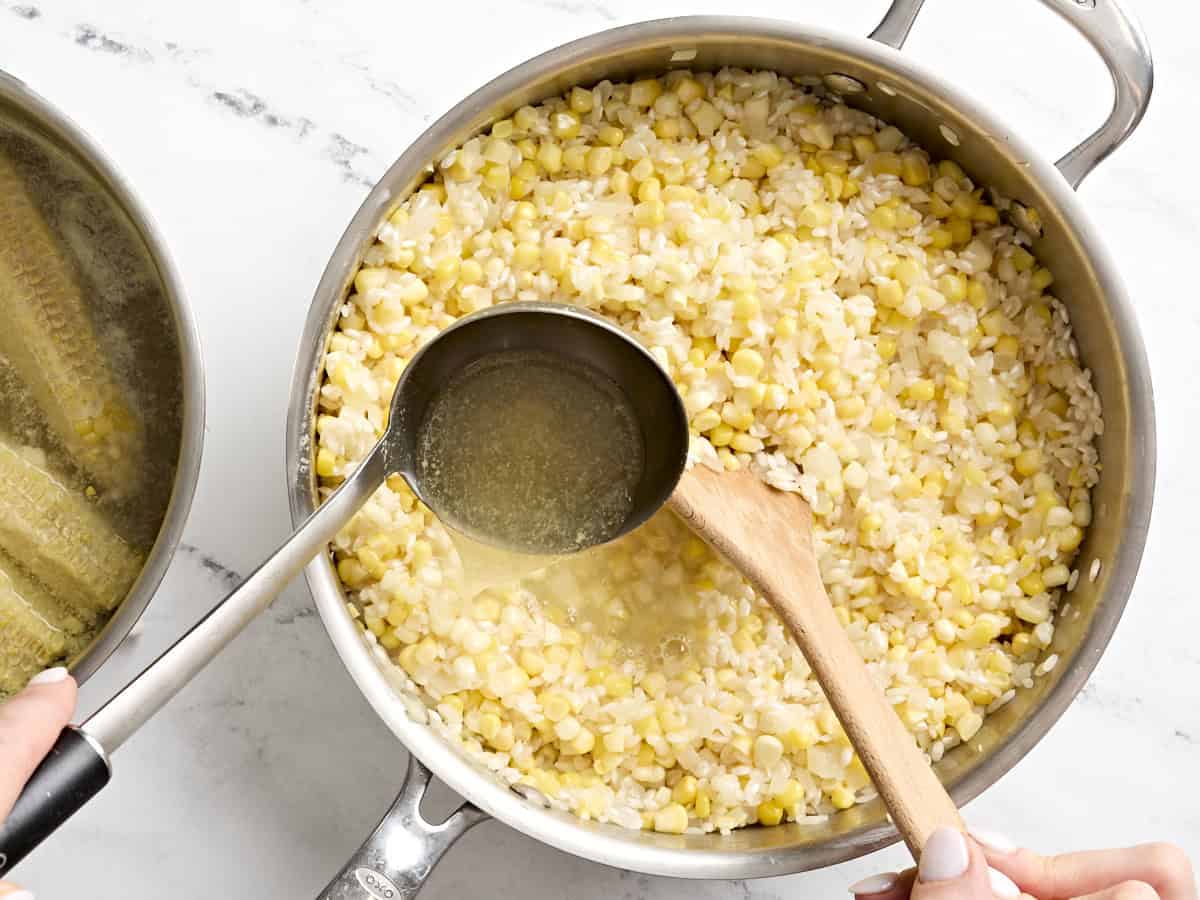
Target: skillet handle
(1113,33)
(399,855)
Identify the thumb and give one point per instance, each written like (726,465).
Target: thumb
(29,725)
(952,868)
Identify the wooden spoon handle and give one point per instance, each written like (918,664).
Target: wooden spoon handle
(767,535)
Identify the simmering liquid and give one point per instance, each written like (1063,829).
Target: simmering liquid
(530,452)
(89,404)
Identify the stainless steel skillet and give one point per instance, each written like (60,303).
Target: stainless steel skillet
(872,74)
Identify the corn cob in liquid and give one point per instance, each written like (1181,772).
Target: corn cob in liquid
(49,339)
(61,538)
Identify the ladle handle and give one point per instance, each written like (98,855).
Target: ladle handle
(73,772)
(767,535)
(78,766)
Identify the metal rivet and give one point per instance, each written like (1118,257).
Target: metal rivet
(533,795)
(844,84)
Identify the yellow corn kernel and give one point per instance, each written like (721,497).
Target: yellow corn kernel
(721,435)
(352,573)
(644,93)
(550,157)
(526,255)
(885,163)
(599,160)
(908,272)
(870,523)
(863,146)
(960,231)
(1022,644)
(1032,584)
(842,797)
(564,125)
(718,174)
(688,89)
(953,286)
(769,813)
(977,293)
(745,306)
(748,362)
(685,790)
(920,391)
(886,347)
(985,214)
(1028,462)
(891,294)
(914,169)
(581,100)
(1069,538)
(326,463)
(744,443)
(532,662)
(555,706)
(768,154)
(706,420)
(850,407)
(672,818)
(650,213)
(883,217)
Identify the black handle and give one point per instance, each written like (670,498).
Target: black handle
(70,775)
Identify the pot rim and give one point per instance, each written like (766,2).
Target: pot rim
(671,855)
(86,151)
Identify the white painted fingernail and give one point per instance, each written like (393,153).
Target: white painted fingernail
(19,895)
(1002,885)
(49,676)
(876,884)
(945,856)
(994,841)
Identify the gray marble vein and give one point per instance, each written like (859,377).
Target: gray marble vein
(90,38)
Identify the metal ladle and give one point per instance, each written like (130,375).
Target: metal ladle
(765,533)
(77,767)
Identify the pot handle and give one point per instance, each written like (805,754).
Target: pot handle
(1113,33)
(396,859)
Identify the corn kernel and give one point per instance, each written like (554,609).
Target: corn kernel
(672,818)
(564,125)
(748,362)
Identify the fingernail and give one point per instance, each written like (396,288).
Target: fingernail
(876,884)
(49,676)
(944,857)
(994,841)
(1002,885)
(19,895)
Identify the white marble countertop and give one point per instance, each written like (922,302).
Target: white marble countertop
(252,131)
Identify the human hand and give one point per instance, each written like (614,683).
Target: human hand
(989,866)
(29,725)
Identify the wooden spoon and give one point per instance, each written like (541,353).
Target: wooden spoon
(767,535)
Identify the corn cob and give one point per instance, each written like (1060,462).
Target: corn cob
(60,538)
(27,641)
(77,622)
(49,339)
